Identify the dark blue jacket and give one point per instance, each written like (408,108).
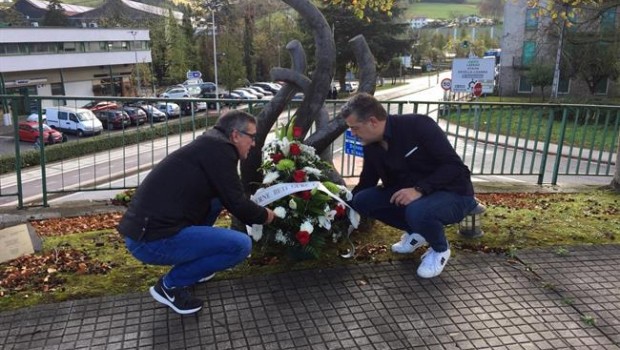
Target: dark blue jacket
(418,155)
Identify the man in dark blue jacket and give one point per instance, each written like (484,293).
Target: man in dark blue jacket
(424,183)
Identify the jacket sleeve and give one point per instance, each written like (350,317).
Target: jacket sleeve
(223,176)
(449,165)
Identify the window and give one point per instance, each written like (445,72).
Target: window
(70,47)
(529,53)
(42,48)
(96,46)
(57,90)
(601,87)
(531,19)
(62,115)
(9,49)
(563,85)
(524,84)
(118,45)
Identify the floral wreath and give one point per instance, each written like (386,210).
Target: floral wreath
(311,210)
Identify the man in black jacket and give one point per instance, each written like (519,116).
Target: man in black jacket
(165,223)
(425,184)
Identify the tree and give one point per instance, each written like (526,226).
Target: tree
(55,15)
(492,8)
(593,62)
(248,41)
(381,32)
(176,48)
(12,18)
(540,75)
(230,65)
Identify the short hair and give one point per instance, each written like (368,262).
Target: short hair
(364,106)
(235,120)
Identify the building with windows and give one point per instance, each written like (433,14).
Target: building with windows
(71,61)
(532,39)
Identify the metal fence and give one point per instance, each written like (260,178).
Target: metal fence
(544,140)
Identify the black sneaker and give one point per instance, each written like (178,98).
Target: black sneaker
(179,299)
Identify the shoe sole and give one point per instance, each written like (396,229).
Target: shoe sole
(206,278)
(166,302)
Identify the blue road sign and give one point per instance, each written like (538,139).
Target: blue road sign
(194,74)
(352,145)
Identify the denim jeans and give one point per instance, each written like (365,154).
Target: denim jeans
(194,252)
(426,215)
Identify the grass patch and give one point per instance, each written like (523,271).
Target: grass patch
(513,221)
(441,10)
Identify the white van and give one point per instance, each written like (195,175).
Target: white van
(79,121)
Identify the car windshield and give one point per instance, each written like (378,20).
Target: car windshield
(82,116)
(194,89)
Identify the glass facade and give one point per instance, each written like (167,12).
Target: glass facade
(12,49)
(531,18)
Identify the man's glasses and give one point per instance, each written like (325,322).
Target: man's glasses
(252,136)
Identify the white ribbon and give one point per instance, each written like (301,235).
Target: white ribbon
(265,196)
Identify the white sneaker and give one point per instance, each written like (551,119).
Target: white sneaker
(409,242)
(433,263)
(206,278)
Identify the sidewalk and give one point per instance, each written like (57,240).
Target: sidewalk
(538,299)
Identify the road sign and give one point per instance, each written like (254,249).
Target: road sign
(194,74)
(352,145)
(446,83)
(466,70)
(477,89)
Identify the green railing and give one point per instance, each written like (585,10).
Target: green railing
(543,140)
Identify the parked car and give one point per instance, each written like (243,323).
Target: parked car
(153,114)
(245,95)
(29,132)
(113,119)
(101,105)
(170,108)
(136,114)
(265,92)
(207,87)
(178,91)
(268,86)
(254,92)
(80,121)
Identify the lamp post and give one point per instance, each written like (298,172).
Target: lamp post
(213,5)
(135,52)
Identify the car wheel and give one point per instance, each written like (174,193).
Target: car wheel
(80,133)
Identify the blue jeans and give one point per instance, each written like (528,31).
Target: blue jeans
(426,215)
(194,252)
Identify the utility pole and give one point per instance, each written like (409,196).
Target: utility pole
(135,52)
(213,6)
(558,59)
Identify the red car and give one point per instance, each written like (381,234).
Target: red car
(101,105)
(29,132)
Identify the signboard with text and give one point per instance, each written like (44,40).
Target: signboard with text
(352,146)
(466,72)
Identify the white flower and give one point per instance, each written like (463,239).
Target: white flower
(312,171)
(324,222)
(270,177)
(306,226)
(347,194)
(257,232)
(280,212)
(292,204)
(281,237)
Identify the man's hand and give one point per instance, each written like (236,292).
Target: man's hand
(270,216)
(405,196)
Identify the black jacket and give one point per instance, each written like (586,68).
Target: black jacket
(419,155)
(177,193)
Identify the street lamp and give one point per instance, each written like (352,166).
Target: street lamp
(135,52)
(213,6)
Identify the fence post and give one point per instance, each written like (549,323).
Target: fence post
(558,157)
(543,160)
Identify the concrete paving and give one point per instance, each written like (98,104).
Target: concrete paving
(537,300)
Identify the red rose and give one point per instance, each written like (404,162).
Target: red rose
(295,150)
(305,195)
(297,132)
(276,157)
(340,210)
(303,237)
(299,176)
